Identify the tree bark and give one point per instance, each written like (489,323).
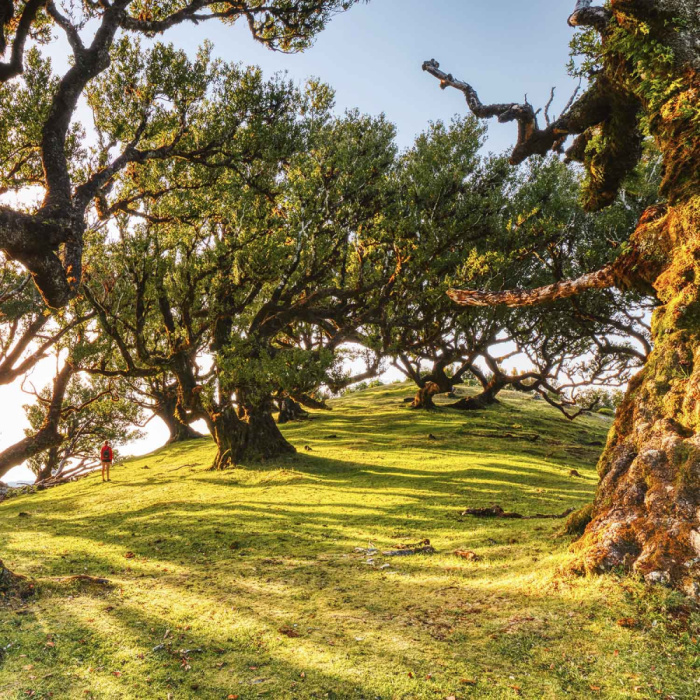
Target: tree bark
(424,396)
(290,410)
(250,434)
(486,398)
(646,514)
(263,438)
(229,434)
(173,415)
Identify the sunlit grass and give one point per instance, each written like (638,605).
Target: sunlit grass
(246,582)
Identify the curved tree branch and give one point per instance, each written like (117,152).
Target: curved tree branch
(600,279)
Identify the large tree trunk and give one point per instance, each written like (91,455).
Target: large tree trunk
(229,434)
(646,514)
(173,415)
(246,435)
(487,397)
(290,410)
(263,438)
(424,396)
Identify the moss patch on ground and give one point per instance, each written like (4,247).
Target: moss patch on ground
(246,583)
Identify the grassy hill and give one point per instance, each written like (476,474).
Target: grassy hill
(246,583)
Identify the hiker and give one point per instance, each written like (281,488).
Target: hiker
(106,459)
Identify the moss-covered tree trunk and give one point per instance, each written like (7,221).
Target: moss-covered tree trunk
(173,415)
(246,434)
(487,397)
(229,434)
(263,438)
(646,515)
(290,410)
(424,396)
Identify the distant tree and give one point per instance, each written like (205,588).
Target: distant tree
(642,67)
(159,396)
(473,218)
(291,238)
(93,411)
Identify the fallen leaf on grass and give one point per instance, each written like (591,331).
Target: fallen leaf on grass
(117,674)
(628,622)
(289,632)
(595,688)
(467,554)
(129,555)
(467,681)
(517,689)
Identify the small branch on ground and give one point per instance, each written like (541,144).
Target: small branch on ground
(498,512)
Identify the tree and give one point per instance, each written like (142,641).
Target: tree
(41,145)
(159,396)
(286,234)
(645,77)
(476,219)
(93,411)
(47,434)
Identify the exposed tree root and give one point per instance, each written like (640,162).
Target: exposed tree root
(12,584)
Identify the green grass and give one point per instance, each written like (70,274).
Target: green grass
(224,561)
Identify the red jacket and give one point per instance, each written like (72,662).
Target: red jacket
(106,453)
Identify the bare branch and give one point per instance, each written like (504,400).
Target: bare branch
(586,16)
(532,297)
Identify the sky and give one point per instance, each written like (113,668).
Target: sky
(372,57)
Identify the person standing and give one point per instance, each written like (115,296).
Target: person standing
(106,460)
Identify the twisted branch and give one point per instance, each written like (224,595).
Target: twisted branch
(601,279)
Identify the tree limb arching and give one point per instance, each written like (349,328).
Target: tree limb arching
(601,279)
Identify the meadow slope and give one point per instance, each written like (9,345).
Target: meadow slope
(246,583)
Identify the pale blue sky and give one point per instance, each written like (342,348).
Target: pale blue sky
(372,56)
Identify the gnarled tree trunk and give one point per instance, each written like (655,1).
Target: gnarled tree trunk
(646,514)
(424,396)
(173,415)
(290,410)
(263,438)
(487,397)
(244,435)
(229,434)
